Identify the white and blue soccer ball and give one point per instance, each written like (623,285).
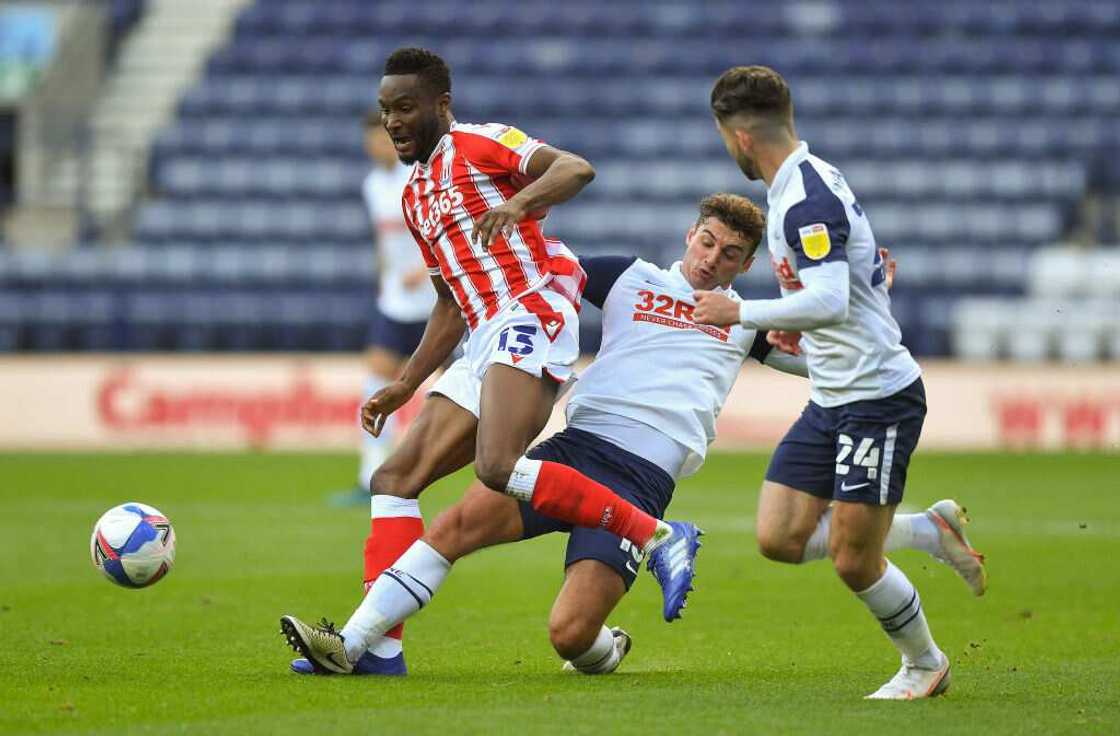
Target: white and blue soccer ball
(133,544)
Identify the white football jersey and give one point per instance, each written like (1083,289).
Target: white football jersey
(814,218)
(656,366)
(397,251)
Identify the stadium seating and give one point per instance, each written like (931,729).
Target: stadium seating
(969,131)
(1069,312)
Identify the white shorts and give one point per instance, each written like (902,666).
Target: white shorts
(544,341)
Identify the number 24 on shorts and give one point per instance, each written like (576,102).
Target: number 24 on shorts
(522,343)
(866,455)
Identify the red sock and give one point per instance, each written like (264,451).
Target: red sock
(568,495)
(395,524)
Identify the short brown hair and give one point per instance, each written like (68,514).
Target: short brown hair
(752,90)
(738,213)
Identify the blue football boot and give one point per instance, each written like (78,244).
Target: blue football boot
(368,664)
(673,564)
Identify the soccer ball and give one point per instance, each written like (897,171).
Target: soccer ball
(133,544)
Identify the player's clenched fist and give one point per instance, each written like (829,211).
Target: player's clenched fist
(715,309)
(502,219)
(383,403)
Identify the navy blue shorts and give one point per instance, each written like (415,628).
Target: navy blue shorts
(633,478)
(398,337)
(856,452)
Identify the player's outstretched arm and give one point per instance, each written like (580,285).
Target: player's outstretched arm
(445,329)
(822,302)
(788,341)
(557,177)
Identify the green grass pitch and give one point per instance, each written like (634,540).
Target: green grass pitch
(763,648)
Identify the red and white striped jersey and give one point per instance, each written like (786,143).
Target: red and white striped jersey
(473,169)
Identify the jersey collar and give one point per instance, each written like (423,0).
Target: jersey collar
(440,145)
(785,171)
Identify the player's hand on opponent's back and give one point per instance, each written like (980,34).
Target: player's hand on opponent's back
(715,309)
(383,403)
(502,219)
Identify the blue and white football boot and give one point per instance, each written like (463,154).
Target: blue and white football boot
(673,564)
(367,664)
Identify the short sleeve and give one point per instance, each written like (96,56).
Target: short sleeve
(602,272)
(817,227)
(498,148)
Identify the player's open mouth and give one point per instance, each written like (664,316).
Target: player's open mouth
(402,143)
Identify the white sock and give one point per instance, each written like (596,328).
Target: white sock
(896,604)
(913,531)
(386,647)
(602,657)
(908,531)
(375,450)
(385,506)
(399,592)
(662,536)
(523,479)
(817,546)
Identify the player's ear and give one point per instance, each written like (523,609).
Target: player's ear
(747,264)
(744,139)
(689,234)
(443,104)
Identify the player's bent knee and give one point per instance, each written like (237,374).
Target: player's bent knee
(393,478)
(446,535)
(779,547)
(858,570)
(494,472)
(571,636)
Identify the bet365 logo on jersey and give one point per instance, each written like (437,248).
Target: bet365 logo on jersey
(438,204)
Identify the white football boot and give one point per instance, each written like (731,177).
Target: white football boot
(321,645)
(954,550)
(622,644)
(911,683)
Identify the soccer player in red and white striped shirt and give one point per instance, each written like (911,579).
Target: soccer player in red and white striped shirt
(474,205)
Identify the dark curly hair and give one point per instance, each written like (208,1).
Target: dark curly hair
(738,213)
(428,66)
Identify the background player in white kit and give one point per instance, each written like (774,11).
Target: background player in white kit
(835,479)
(404,297)
(640,418)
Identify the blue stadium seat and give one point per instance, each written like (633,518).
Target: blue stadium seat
(987,122)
